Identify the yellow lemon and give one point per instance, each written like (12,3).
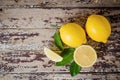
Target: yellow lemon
(52,55)
(85,56)
(98,28)
(72,34)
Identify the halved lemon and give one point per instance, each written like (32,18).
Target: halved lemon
(85,56)
(52,55)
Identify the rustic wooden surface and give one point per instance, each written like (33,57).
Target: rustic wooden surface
(59,3)
(26,27)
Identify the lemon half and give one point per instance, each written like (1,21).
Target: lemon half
(85,56)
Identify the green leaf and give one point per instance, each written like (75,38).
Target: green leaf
(74,68)
(58,41)
(67,55)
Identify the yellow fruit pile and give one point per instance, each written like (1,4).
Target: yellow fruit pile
(98,29)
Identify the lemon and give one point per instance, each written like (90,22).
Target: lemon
(98,28)
(85,56)
(72,34)
(52,55)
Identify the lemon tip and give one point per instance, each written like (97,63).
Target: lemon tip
(104,41)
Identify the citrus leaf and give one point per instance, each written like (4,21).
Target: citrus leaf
(74,68)
(67,55)
(58,41)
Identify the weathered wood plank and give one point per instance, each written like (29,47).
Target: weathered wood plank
(36,39)
(22,61)
(58,76)
(44,18)
(26,39)
(59,3)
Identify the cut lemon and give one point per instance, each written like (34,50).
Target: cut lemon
(52,55)
(85,56)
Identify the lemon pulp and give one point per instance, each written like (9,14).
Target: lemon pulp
(52,55)
(85,56)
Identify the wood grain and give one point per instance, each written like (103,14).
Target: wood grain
(59,76)
(44,18)
(36,39)
(20,59)
(27,26)
(35,61)
(58,3)
(23,32)
(26,39)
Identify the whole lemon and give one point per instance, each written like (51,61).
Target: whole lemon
(72,34)
(98,28)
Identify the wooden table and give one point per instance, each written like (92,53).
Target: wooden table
(25,28)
